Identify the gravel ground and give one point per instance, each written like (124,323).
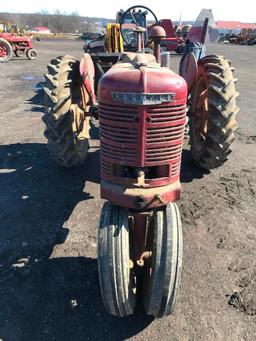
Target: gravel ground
(48,218)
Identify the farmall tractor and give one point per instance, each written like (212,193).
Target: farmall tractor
(12,42)
(143,108)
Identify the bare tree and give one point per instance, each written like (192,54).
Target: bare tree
(56,22)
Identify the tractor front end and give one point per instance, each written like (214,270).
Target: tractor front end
(142,110)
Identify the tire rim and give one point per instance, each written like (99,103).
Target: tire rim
(200,110)
(19,53)
(33,54)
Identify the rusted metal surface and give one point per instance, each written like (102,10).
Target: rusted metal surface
(141,234)
(156,34)
(140,37)
(140,198)
(140,223)
(145,255)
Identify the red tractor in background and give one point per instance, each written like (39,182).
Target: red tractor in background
(171,42)
(19,45)
(143,108)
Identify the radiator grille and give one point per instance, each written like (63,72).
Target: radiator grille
(164,133)
(106,167)
(157,154)
(118,154)
(118,134)
(166,113)
(175,169)
(121,140)
(118,114)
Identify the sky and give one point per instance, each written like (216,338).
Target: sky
(244,10)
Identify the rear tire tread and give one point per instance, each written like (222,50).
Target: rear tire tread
(64,146)
(222,110)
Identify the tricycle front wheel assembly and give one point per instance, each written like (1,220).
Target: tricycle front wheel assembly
(118,259)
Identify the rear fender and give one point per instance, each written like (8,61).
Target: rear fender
(189,69)
(87,72)
(189,62)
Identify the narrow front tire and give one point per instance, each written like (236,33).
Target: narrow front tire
(116,275)
(163,270)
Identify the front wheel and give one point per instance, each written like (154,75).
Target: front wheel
(31,54)
(163,269)
(116,275)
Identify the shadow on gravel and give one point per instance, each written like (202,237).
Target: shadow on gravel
(36,199)
(63,303)
(37,100)
(42,298)
(189,170)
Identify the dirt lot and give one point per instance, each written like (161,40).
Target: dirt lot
(48,216)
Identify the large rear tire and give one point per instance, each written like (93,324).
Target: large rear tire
(117,279)
(67,128)
(213,108)
(5,51)
(163,269)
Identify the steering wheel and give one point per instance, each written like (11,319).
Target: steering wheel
(132,18)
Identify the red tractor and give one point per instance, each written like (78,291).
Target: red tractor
(143,108)
(171,42)
(19,45)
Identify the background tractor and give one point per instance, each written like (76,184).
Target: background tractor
(143,108)
(12,42)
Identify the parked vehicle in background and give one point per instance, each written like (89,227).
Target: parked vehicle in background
(12,41)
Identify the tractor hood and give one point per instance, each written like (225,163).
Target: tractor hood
(139,80)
